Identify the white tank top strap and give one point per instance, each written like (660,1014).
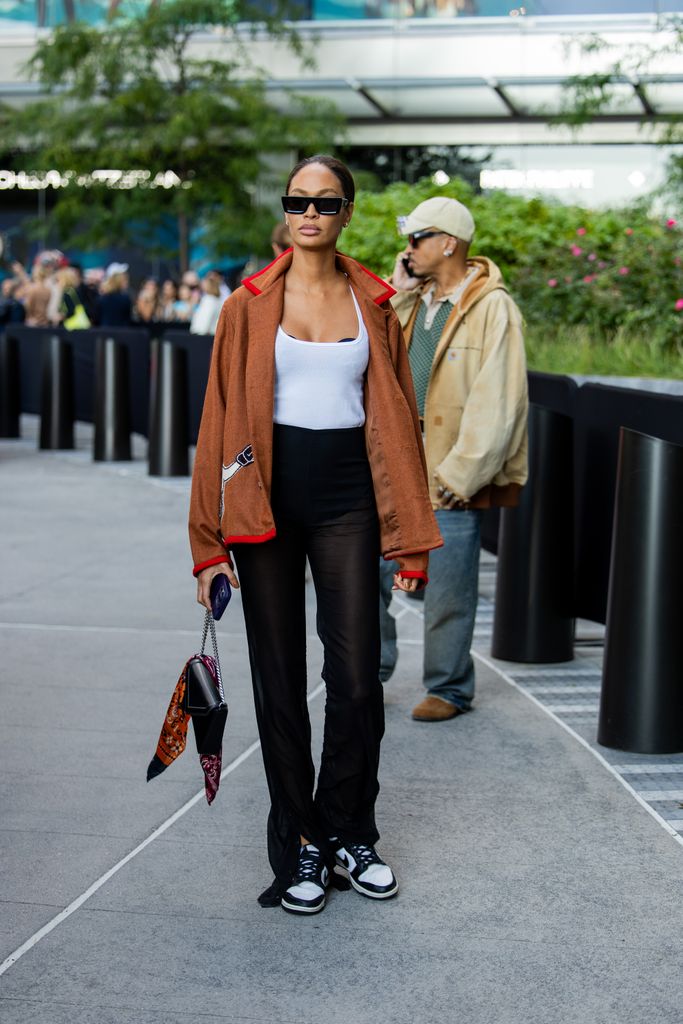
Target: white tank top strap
(361,323)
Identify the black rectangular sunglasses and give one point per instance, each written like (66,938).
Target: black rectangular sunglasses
(325,205)
(415,237)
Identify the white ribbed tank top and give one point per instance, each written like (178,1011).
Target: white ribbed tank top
(319,384)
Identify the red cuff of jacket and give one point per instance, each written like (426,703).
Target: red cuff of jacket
(422,577)
(212,561)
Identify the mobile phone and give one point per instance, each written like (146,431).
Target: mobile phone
(220,594)
(405,260)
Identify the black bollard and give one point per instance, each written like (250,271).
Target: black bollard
(112,402)
(533,619)
(10,387)
(57,395)
(168,429)
(641,705)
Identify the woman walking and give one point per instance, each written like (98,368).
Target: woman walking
(310,446)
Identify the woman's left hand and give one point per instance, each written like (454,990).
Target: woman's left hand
(408,586)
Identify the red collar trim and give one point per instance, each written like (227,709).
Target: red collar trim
(387,293)
(252,286)
(249,282)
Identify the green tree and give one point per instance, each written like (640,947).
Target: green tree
(142,96)
(588,96)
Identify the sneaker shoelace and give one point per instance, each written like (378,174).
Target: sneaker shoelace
(364,856)
(309,865)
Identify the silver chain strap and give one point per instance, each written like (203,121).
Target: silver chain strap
(210,626)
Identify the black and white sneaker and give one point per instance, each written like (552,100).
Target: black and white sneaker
(366,871)
(306,894)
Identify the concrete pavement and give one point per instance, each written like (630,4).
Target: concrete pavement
(535,890)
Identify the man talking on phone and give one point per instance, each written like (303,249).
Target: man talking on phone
(466,351)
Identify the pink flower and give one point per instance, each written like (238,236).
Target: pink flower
(679,304)
(589,278)
(671,223)
(677,261)
(581,231)
(623,271)
(552,282)
(629,231)
(592,257)
(568,280)
(576,250)
(602,265)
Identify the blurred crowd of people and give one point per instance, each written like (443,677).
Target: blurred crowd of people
(57,293)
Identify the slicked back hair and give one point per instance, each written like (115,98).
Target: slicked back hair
(340,170)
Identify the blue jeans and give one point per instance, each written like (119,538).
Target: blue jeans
(450,606)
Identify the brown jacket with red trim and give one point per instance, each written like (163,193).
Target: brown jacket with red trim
(231,481)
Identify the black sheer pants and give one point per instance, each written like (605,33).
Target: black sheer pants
(324,509)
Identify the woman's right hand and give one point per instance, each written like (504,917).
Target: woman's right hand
(204,581)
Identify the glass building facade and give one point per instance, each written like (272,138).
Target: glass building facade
(49,13)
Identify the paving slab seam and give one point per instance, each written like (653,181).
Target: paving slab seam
(528,686)
(49,729)
(29,903)
(74,775)
(196,1014)
(133,630)
(76,904)
(484,938)
(59,832)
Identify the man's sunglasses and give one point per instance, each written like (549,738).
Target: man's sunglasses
(328,206)
(416,237)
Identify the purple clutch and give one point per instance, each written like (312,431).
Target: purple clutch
(220,594)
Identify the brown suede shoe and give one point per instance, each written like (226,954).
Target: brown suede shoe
(434,709)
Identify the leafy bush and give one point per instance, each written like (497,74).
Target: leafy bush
(615,274)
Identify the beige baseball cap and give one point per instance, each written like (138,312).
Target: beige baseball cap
(439,212)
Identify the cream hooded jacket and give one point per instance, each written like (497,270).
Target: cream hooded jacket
(476,407)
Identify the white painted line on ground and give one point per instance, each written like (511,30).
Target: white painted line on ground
(405,604)
(103,879)
(663,794)
(584,743)
(561,673)
(556,691)
(574,709)
(650,769)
